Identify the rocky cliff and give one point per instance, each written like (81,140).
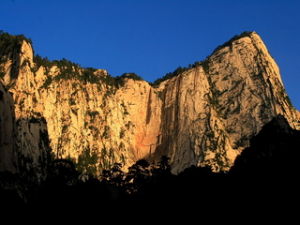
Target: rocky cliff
(205,115)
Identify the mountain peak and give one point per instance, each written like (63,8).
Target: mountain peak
(205,115)
(236,38)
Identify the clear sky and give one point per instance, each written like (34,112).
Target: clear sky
(153,37)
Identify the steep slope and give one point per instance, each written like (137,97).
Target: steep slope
(203,116)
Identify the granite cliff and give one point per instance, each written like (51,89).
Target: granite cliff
(203,115)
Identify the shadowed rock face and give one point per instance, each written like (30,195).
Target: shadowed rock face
(204,116)
(273,153)
(7,147)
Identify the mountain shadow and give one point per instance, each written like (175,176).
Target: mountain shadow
(266,173)
(272,154)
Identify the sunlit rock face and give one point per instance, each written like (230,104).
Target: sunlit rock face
(210,112)
(203,116)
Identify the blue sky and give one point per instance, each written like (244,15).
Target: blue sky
(153,37)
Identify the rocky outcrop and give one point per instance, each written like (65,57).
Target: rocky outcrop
(211,111)
(204,115)
(24,142)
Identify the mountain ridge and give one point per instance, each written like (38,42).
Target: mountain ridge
(204,115)
(42,61)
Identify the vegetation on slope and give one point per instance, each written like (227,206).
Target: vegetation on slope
(69,70)
(175,73)
(229,43)
(10,45)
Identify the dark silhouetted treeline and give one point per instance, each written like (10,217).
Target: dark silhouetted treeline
(265,172)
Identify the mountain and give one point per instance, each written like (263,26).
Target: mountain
(203,115)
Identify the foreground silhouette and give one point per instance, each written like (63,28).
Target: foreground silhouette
(269,165)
